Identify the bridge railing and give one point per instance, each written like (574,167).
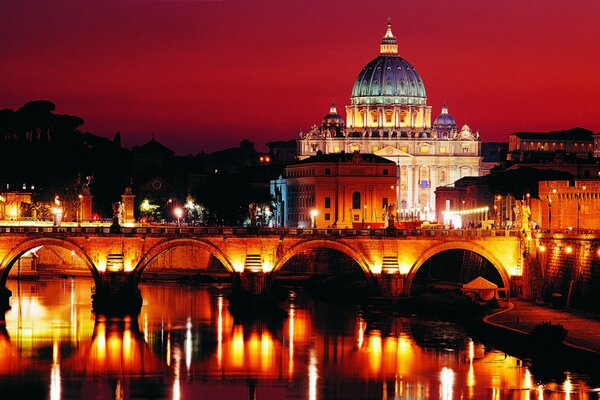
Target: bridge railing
(170,230)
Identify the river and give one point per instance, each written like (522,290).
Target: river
(186,345)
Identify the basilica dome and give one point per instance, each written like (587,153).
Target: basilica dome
(389,79)
(333,119)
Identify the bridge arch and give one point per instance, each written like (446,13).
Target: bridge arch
(13,255)
(457,245)
(328,244)
(169,244)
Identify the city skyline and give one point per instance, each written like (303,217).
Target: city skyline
(203,75)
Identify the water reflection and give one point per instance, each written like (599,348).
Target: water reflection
(186,344)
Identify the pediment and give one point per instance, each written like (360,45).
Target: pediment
(391,151)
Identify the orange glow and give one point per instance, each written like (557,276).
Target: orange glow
(568,249)
(237,346)
(376,268)
(404,269)
(542,248)
(375,352)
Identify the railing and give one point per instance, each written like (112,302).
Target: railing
(170,230)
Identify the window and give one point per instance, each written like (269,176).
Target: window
(424,149)
(404,149)
(327,202)
(355,217)
(327,171)
(356,200)
(336,149)
(385,171)
(327,217)
(375,149)
(442,150)
(465,149)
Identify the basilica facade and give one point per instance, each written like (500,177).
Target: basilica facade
(388,116)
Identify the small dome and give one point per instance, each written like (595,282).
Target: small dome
(444,121)
(333,119)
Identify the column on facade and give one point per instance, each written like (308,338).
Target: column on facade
(367,117)
(379,117)
(414,186)
(433,183)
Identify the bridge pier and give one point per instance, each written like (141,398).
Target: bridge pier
(116,293)
(5,294)
(390,285)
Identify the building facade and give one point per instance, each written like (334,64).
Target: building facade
(388,116)
(336,190)
(576,141)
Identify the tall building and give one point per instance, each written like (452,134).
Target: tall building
(388,116)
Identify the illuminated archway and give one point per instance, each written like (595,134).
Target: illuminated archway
(16,252)
(173,243)
(324,244)
(456,245)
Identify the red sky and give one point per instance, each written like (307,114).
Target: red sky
(205,74)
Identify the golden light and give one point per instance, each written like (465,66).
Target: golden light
(542,248)
(554,191)
(267,267)
(376,268)
(568,249)
(515,271)
(101,266)
(145,206)
(314,212)
(598,251)
(238,266)
(498,197)
(178,211)
(404,269)
(447,382)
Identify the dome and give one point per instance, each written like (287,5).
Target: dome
(389,79)
(444,121)
(333,118)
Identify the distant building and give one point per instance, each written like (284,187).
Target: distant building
(335,190)
(283,152)
(388,116)
(577,141)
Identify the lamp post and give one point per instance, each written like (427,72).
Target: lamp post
(313,217)
(363,216)
(178,214)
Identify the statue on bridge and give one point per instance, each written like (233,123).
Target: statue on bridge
(388,215)
(117,217)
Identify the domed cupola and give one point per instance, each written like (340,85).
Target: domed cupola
(389,79)
(444,121)
(333,119)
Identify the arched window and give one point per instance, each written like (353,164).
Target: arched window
(356,200)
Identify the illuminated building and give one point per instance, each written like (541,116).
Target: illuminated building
(342,190)
(577,141)
(388,116)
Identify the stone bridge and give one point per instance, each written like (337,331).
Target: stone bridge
(389,259)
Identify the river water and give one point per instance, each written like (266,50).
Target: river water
(186,345)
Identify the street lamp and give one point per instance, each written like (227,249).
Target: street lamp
(313,217)
(178,214)
(363,215)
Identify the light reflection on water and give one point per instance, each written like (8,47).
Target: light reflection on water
(185,344)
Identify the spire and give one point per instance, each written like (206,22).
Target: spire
(388,42)
(444,109)
(332,109)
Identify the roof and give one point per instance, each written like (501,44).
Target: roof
(154,147)
(480,283)
(335,158)
(578,133)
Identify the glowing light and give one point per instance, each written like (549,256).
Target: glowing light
(568,249)
(267,267)
(220,331)
(178,211)
(528,381)
(238,266)
(447,383)
(291,340)
(542,248)
(540,388)
(55,381)
(312,375)
(188,344)
(314,212)
(404,269)
(515,271)
(376,269)
(361,332)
